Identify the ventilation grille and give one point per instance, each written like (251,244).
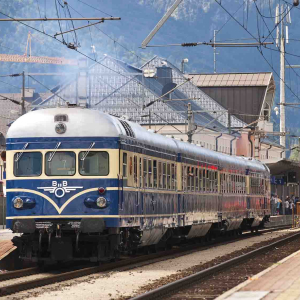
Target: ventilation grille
(61,118)
(128,130)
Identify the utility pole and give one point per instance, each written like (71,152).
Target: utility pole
(282,80)
(215,52)
(23,112)
(191,124)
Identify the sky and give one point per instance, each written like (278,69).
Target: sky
(194,21)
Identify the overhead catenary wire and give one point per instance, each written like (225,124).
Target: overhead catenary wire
(95,8)
(47,88)
(111,38)
(259,50)
(83,54)
(38,6)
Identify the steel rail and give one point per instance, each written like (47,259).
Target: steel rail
(173,287)
(131,262)
(18,273)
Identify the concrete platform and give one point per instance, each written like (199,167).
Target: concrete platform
(280,282)
(279,221)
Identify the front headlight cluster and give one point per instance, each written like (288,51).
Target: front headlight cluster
(18,202)
(101,202)
(23,202)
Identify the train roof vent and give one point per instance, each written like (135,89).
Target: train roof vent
(61,118)
(128,129)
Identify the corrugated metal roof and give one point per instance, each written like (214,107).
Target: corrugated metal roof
(231,79)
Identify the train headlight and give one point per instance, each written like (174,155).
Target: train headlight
(18,202)
(60,128)
(101,202)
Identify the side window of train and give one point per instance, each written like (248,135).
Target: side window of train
(141,172)
(155,174)
(145,168)
(196,179)
(135,169)
(192,179)
(184,177)
(124,165)
(149,173)
(160,183)
(204,180)
(173,181)
(216,181)
(168,176)
(188,172)
(208,182)
(164,175)
(200,180)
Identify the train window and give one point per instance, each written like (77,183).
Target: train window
(216,182)
(164,175)
(95,163)
(28,164)
(63,163)
(208,182)
(196,179)
(149,173)
(125,165)
(160,183)
(184,178)
(155,173)
(141,172)
(173,185)
(135,168)
(192,178)
(200,180)
(168,176)
(145,173)
(204,180)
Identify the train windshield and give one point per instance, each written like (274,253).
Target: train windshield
(60,163)
(28,164)
(94,163)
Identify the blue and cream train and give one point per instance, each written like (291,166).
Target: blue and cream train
(82,184)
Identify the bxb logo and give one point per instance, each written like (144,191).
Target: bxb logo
(59,189)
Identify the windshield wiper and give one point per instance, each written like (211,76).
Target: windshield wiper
(53,153)
(87,152)
(21,153)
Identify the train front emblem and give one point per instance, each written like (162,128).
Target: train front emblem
(59,189)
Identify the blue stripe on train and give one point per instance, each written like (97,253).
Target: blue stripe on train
(66,143)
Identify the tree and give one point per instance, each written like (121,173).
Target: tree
(294,153)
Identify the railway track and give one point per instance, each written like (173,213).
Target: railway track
(11,287)
(213,281)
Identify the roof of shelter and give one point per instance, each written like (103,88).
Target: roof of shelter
(231,79)
(282,166)
(132,90)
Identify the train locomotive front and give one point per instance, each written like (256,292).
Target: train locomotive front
(84,185)
(62,187)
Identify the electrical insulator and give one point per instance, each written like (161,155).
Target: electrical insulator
(296,2)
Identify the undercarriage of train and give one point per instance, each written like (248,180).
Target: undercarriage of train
(53,242)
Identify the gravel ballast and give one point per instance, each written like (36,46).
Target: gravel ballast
(125,284)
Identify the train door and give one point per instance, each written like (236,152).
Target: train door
(182,175)
(123,177)
(140,193)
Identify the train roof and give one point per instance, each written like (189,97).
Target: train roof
(83,122)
